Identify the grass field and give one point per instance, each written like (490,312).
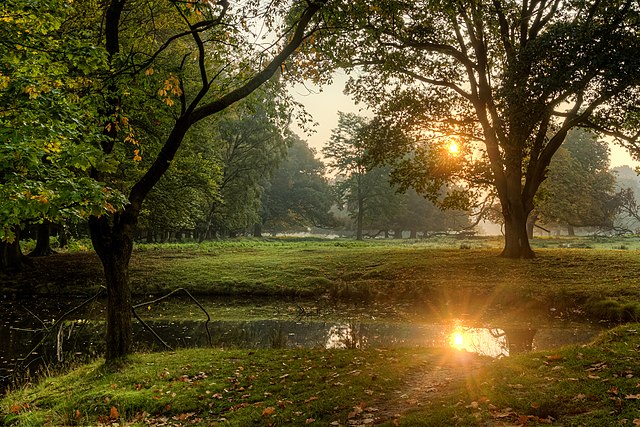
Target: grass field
(590,275)
(594,385)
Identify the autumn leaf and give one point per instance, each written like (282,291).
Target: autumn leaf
(310,420)
(268,411)
(632,396)
(15,409)
(78,414)
(113,414)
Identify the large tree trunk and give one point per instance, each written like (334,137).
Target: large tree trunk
(257,229)
(11,256)
(113,242)
(516,238)
(43,240)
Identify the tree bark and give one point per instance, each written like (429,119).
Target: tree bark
(43,241)
(63,235)
(516,238)
(113,242)
(571,231)
(11,256)
(257,230)
(531,223)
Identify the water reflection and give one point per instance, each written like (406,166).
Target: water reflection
(86,338)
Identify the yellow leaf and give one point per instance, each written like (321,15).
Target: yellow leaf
(149,71)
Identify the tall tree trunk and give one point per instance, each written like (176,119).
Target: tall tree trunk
(531,223)
(257,229)
(113,242)
(43,240)
(11,256)
(571,231)
(63,235)
(516,238)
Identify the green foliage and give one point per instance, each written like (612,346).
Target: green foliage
(47,142)
(298,194)
(580,189)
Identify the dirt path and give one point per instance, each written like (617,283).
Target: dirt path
(420,387)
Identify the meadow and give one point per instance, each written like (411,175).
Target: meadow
(587,278)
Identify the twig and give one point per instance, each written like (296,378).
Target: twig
(150,329)
(19,365)
(206,323)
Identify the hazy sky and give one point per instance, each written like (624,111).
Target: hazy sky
(324,105)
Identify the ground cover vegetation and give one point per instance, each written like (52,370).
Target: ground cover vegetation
(591,385)
(575,273)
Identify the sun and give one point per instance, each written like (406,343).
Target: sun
(453,148)
(456,340)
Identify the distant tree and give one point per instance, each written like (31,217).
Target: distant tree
(346,153)
(580,189)
(251,145)
(298,194)
(375,198)
(181,198)
(628,186)
(365,189)
(419,214)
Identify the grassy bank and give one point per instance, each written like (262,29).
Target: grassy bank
(593,385)
(587,274)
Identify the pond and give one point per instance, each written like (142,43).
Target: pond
(83,339)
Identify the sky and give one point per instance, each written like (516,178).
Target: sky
(324,103)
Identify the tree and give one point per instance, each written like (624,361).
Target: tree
(252,142)
(160,66)
(580,189)
(183,195)
(628,187)
(47,142)
(298,194)
(509,79)
(419,214)
(346,152)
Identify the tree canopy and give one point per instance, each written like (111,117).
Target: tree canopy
(507,79)
(580,189)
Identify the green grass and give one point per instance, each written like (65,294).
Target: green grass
(203,387)
(565,278)
(592,385)
(589,276)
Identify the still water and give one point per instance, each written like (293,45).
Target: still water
(82,338)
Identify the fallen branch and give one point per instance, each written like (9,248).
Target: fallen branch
(150,329)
